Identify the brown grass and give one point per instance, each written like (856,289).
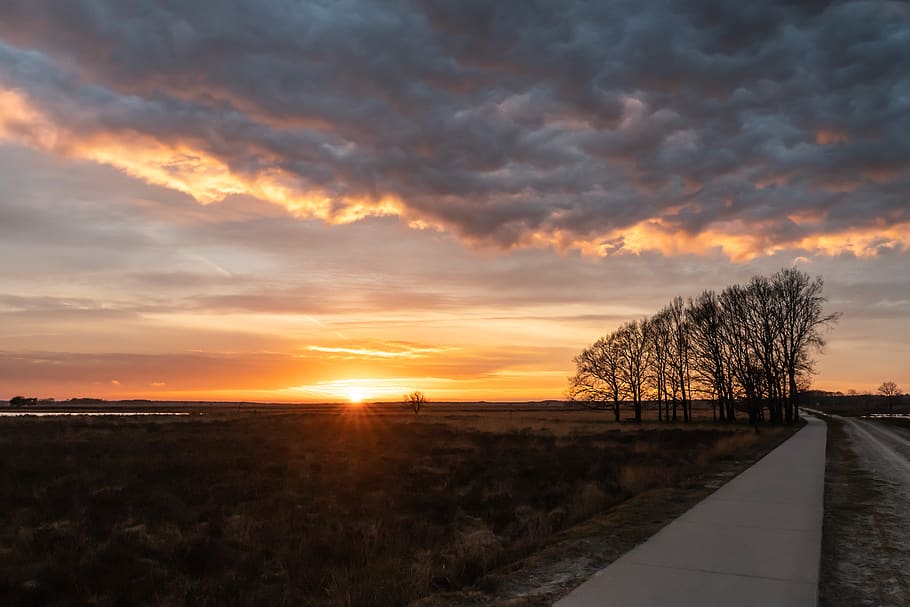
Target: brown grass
(353,508)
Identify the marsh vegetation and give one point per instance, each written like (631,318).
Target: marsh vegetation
(362,506)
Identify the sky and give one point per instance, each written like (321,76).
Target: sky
(353,199)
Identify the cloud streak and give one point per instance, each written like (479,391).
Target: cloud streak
(625,127)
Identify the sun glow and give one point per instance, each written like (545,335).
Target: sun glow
(361,389)
(356,395)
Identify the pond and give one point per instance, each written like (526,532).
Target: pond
(90,413)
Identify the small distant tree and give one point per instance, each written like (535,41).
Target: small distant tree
(890,391)
(415,401)
(22,401)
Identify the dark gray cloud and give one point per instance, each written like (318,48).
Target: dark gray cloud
(502,121)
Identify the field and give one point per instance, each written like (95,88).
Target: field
(861,404)
(355,506)
(866,539)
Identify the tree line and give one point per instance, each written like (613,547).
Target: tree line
(23,401)
(747,348)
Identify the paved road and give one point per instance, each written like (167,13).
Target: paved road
(754,542)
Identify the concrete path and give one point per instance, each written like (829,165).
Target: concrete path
(756,541)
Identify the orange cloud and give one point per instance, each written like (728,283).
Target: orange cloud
(739,241)
(389,351)
(181,166)
(186,167)
(21,123)
(830,137)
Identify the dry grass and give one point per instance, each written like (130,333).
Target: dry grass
(559,420)
(353,508)
(725,445)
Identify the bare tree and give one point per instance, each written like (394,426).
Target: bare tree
(800,308)
(889,390)
(635,358)
(415,401)
(751,344)
(597,382)
(745,373)
(764,328)
(680,377)
(707,348)
(660,341)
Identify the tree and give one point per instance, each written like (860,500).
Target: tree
(763,323)
(660,342)
(597,382)
(710,338)
(800,309)
(745,371)
(680,350)
(635,356)
(889,390)
(751,344)
(415,401)
(22,401)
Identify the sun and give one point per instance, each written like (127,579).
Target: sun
(355,394)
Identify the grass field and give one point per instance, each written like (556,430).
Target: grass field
(357,506)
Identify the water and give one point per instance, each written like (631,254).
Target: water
(87,413)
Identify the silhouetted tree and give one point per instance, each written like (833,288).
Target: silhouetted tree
(633,341)
(597,382)
(751,343)
(680,377)
(707,344)
(890,391)
(764,324)
(659,343)
(415,401)
(800,307)
(740,336)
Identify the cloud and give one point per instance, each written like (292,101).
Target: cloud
(379,350)
(678,127)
